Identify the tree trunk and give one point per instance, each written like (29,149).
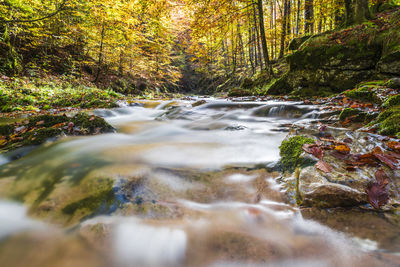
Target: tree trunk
(309,17)
(258,55)
(357,11)
(284,29)
(263,37)
(100,61)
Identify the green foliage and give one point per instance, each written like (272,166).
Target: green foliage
(290,151)
(32,95)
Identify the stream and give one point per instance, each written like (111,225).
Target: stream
(177,185)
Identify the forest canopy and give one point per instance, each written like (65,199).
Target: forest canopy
(159,43)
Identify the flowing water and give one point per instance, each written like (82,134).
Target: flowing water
(176,185)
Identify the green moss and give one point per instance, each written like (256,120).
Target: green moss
(47,120)
(364,94)
(40,136)
(350,112)
(310,92)
(392,101)
(239,92)
(290,151)
(91,123)
(91,203)
(391,126)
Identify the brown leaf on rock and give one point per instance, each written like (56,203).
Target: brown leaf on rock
(393,145)
(393,154)
(377,195)
(323,166)
(314,149)
(381,177)
(387,160)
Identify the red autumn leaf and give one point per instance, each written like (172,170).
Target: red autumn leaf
(393,154)
(377,195)
(381,177)
(313,149)
(323,166)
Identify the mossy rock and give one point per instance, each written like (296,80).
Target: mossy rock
(391,125)
(392,101)
(92,123)
(363,94)
(239,92)
(393,83)
(40,136)
(47,120)
(247,83)
(356,115)
(290,151)
(43,127)
(280,86)
(388,122)
(295,43)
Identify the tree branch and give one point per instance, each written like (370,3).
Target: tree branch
(60,9)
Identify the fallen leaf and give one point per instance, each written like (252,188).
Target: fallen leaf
(381,177)
(386,160)
(393,145)
(377,195)
(343,149)
(314,149)
(39,123)
(323,166)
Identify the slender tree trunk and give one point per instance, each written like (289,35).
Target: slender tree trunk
(298,17)
(309,17)
(263,37)
(100,61)
(258,55)
(284,29)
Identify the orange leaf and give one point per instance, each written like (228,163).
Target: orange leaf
(343,149)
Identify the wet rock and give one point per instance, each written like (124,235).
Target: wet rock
(199,103)
(394,83)
(341,186)
(41,128)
